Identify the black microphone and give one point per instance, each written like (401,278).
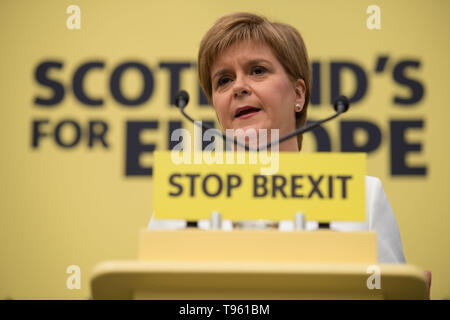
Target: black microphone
(341,105)
(181,99)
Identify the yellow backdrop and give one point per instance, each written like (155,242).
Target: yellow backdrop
(75,116)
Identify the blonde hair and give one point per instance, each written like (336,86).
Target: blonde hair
(284,40)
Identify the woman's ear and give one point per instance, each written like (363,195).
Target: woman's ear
(300,92)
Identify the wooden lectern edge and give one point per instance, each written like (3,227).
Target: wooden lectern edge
(124,275)
(123,266)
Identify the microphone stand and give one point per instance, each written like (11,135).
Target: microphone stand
(341,105)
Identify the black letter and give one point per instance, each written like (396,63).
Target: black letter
(231,185)
(134,148)
(315,184)
(77,136)
(330,187)
(315,87)
(173,125)
(344,185)
(348,129)
(205,190)
(192,176)
(147,87)
(42,77)
(174,68)
(202,99)
(361,81)
(295,186)
(399,149)
(78,78)
(322,138)
(172,182)
(97,136)
(276,187)
(415,87)
(37,133)
(256,185)
(206,142)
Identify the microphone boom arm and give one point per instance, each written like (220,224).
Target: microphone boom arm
(341,105)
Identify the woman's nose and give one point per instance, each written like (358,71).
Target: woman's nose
(240,87)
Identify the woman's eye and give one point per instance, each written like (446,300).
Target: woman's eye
(258,70)
(222,81)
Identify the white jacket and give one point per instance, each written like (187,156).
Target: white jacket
(380,219)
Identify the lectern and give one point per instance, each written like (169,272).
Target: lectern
(222,235)
(256,264)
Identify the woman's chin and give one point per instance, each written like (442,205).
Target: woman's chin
(249,124)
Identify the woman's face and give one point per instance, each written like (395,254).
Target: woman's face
(250,89)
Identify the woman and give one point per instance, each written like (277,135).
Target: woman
(256,75)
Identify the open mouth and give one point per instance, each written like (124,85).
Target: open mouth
(246,112)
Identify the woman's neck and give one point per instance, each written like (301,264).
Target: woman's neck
(290,145)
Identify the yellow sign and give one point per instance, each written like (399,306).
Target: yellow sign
(323,186)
